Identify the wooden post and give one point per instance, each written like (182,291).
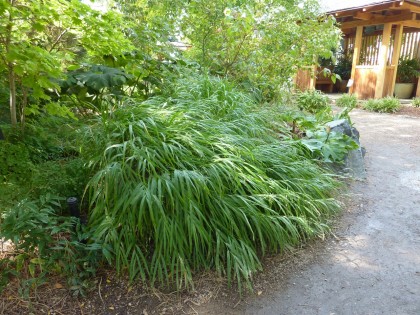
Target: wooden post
(346,44)
(383,58)
(356,55)
(396,54)
(418,88)
(313,73)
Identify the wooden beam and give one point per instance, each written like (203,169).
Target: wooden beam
(396,54)
(364,16)
(381,7)
(397,5)
(413,23)
(407,6)
(383,56)
(356,55)
(370,8)
(398,18)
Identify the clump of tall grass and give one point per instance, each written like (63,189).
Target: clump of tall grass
(347,100)
(383,105)
(198,179)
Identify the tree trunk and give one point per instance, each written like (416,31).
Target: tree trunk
(10,68)
(23,106)
(12,90)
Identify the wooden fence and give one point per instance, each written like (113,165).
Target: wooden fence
(369,53)
(366,71)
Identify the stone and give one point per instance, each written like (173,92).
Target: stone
(354,164)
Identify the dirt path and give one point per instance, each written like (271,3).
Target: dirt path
(372,266)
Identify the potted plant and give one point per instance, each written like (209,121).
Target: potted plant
(343,69)
(408,71)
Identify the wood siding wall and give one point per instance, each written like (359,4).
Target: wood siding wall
(365,81)
(303,79)
(389,76)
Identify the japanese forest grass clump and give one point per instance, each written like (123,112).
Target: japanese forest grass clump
(347,100)
(199,180)
(383,105)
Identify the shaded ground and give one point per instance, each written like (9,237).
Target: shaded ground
(371,264)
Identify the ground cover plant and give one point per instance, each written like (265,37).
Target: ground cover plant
(383,105)
(347,100)
(416,102)
(312,101)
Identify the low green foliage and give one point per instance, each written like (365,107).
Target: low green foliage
(196,180)
(347,100)
(312,101)
(416,102)
(14,162)
(407,70)
(329,146)
(313,133)
(11,192)
(65,177)
(384,105)
(46,244)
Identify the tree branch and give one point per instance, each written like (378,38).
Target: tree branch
(57,40)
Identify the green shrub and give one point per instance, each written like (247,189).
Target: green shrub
(14,162)
(197,179)
(312,101)
(46,244)
(67,177)
(416,102)
(347,100)
(384,105)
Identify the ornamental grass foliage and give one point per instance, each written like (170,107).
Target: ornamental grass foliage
(347,100)
(197,179)
(383,105)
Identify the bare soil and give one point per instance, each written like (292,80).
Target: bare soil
(370,264)
(409,110)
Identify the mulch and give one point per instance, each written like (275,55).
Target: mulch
(409,110)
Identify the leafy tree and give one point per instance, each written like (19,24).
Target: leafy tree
(38,39)
(263,42)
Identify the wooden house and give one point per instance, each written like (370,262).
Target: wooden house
(376,34)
